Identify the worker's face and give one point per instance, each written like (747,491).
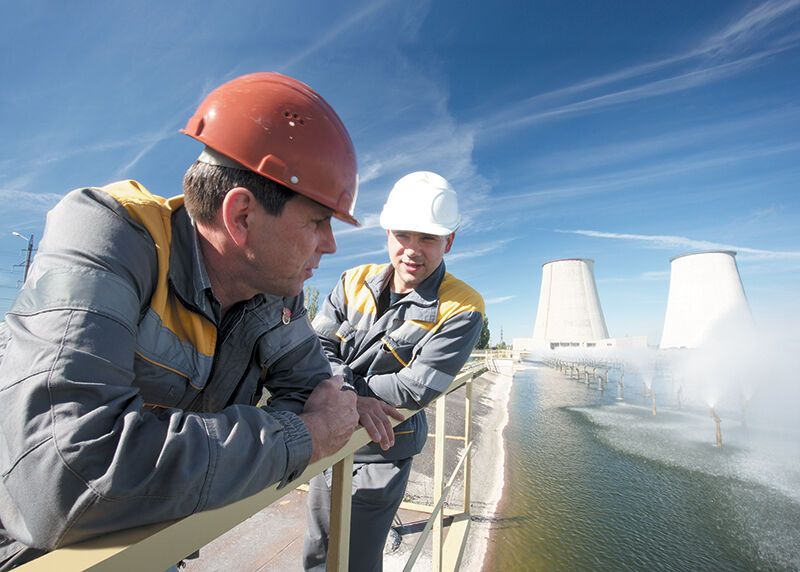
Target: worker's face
(285,250)
(415,256)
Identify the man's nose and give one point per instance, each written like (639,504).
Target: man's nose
(412,246)
(327,243)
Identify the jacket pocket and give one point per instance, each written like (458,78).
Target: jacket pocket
(391,356)
(346,332)
(158,384)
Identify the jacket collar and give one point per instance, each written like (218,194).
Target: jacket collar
(422,302)
(187,271)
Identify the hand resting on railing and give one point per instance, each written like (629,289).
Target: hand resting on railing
(373,414)
(330,416)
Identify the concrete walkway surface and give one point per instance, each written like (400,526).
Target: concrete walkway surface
(272,540)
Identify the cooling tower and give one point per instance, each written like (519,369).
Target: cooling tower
(706,298)
(569,309)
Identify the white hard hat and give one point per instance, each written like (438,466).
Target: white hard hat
(422,202)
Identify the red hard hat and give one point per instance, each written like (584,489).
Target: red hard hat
(282,129)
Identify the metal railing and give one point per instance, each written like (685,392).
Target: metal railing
(161,545)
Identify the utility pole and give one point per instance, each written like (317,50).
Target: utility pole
(28,255)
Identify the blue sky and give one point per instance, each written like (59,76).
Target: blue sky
(627,132)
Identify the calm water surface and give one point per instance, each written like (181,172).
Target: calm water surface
(574,501)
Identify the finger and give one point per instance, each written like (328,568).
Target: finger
(372,430)
(391,411)
(384,428)
(388,430)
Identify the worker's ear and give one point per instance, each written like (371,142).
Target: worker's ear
(237,214)
(449,244)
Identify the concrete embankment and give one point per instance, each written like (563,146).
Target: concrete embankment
(488,467)
(489,417)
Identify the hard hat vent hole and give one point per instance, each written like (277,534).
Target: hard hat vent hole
(294,118)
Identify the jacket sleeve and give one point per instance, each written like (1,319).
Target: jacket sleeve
(298,369)
(438,360)
(327,323)
(78,453)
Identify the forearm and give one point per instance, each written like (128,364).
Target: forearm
(433,368)
(109,464)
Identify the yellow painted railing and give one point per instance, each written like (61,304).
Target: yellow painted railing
(159,546)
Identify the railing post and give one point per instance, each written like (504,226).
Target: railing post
(438,483)
(341,499)
(467,440)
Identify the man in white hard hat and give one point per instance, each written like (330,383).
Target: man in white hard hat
(398,332)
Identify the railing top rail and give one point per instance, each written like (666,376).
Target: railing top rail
(159,546)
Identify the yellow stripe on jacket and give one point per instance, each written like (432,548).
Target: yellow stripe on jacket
(155,213)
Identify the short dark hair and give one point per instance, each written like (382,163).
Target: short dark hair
(205,187)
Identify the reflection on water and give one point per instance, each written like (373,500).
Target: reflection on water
(595,485)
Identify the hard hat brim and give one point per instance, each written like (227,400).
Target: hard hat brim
(387,223)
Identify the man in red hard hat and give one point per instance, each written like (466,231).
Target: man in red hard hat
(148,328)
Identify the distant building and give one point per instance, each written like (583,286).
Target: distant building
(706,300)
(569,308)
(569,313)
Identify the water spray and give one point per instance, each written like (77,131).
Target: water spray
(743,407)
(718,425)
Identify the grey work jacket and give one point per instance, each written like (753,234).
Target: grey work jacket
(113,415)
(406,356)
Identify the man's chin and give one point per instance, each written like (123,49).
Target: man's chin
(288,291)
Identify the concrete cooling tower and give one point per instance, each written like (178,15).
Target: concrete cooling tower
(569,308)
(706,298)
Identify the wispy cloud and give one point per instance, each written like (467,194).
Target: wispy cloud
(148,145)
(477,252)
(654,276)
(425,136)
(750,26)
(664,143)
(498,300)
(684,243)
(41,160)
(358,255)
(335,31)
(368,221)
(672,84)
(755,36)
(20,199)
(442,143)
(605,183)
